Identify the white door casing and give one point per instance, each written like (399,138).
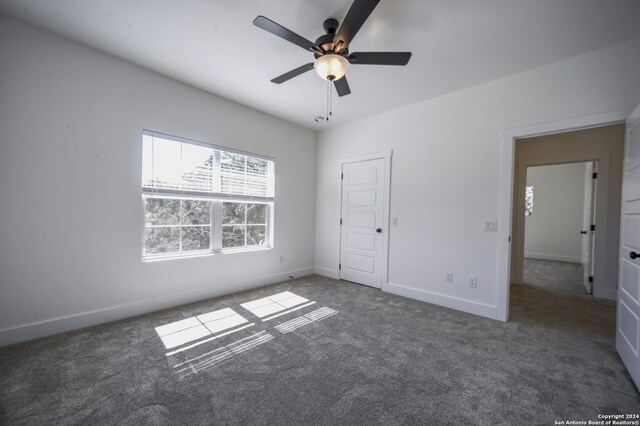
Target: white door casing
(363,228)
(628,308)
(588,216)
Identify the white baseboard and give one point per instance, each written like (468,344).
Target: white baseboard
(456,303)
(52,326)
(560,258)
(326,272)
(605,293)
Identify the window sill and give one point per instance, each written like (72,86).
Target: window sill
(244,249)
(161,258)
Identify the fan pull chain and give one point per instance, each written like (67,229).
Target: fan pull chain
(330,98)
(328,86)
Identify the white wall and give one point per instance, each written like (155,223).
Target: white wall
(446,169)
(552,232)
(70,176)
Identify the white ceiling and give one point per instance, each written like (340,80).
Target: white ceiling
(213,45)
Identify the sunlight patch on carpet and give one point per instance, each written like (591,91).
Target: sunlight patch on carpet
(274,304)
(219,355)
(313,316)
(188,330)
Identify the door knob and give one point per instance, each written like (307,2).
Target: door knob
(583,232)
(634,255)
(379,230)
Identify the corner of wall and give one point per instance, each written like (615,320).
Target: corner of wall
(326,272)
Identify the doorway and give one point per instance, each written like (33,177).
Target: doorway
(559,236)
(602,144)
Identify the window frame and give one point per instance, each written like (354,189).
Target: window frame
(216,198)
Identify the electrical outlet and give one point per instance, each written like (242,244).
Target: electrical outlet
(448,277)
(473,281)
(281,258)
(394,221)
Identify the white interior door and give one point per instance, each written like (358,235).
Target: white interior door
(628,320)
(588,219)
(362,230)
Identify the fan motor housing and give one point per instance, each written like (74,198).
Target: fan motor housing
(325,41)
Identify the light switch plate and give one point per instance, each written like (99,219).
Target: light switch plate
(491,225)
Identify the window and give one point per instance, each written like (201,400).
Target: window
(528,201)
(244,224)
(200,198)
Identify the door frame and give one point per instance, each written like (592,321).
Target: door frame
(386,156)
(508,139)
(588,180)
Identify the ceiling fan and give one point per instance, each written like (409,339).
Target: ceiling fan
(331,50)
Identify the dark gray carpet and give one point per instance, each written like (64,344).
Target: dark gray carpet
(554,275)
(380,359)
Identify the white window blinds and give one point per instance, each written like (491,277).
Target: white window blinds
(178,166)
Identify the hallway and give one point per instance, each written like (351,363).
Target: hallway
(554,275)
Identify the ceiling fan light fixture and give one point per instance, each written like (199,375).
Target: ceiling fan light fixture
(331,66)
